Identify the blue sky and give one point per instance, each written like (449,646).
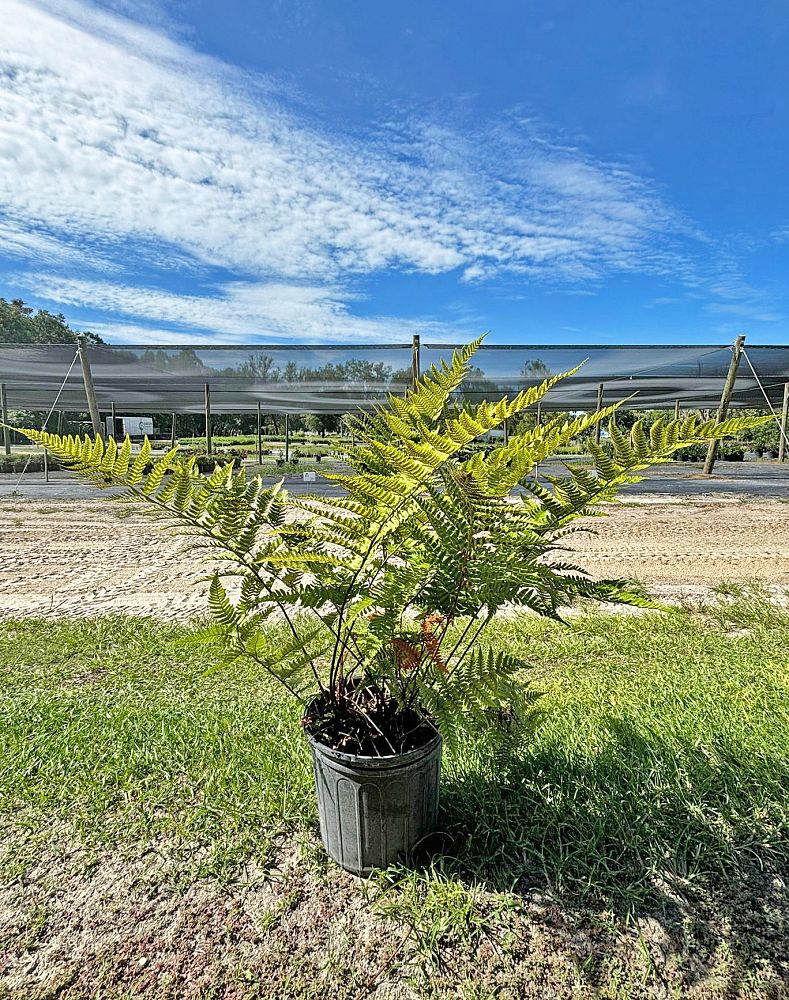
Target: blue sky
(345,171)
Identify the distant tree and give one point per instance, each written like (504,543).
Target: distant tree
(258,367)
(292,372)
(535,369)
(353,370)
(184,359)
(477,387)
(323,423)
(19,324)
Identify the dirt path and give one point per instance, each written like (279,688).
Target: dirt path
(79,557)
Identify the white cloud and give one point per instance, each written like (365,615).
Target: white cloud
(110,128)
(239,312)
(30,242)
(123,152)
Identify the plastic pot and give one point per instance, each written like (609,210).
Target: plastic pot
(374,810)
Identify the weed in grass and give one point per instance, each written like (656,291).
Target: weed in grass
(750,606)
(273,916)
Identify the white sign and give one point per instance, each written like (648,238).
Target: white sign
(309,477)
(133,426)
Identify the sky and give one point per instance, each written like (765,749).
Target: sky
(352,171)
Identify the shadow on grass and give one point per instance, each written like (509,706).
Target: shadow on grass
(695,838)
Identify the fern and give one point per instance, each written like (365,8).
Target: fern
(385,592)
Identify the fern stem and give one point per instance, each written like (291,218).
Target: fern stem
(482,625)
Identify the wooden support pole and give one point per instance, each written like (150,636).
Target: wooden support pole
(173,429)
(90,391)
(208,448)
(4,418)
(112,419)
(598,427)
(260,436)
(415,360)
(538,419)
(782,449)
(723,408)
(287,437)
(676,409)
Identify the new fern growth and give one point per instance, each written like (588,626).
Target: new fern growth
(384,592)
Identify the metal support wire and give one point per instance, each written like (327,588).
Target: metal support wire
(781,431)
(46,419)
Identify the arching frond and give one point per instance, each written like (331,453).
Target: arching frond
(384,592)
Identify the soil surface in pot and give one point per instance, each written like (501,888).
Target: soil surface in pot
(364,723)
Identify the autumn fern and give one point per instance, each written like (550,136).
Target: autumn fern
(373,605)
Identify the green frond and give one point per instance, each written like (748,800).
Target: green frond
(220,604)
(423,537)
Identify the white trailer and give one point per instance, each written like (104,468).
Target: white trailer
(135,427)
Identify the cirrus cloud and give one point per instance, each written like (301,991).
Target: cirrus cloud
(125,150)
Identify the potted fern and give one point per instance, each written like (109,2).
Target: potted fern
(371,607)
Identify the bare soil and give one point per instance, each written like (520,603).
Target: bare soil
(79,557)
(80,925)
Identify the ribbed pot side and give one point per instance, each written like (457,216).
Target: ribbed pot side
(374,810)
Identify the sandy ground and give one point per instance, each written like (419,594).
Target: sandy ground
(118,926)
(79,557)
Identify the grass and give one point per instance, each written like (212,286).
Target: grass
(659,773)
(117,726)
(663,754)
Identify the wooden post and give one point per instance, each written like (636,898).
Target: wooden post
(4,418)
(676,409)
(723,408)
(90,391)
(208,448)
(173,430)
(598,427)
(112,419)
(287,437)
(784,424)
(415,360)
(260,437)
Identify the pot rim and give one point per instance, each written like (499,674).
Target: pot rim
(392,759)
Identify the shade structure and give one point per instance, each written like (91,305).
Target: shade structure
(339,378)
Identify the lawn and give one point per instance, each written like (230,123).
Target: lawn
(160,829)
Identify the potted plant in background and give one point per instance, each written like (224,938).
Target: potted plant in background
(762,440)
(371,607)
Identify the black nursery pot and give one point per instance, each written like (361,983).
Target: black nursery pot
(374,810)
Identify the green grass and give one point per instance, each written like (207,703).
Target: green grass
(662,753)
(654,788)
(117,727)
